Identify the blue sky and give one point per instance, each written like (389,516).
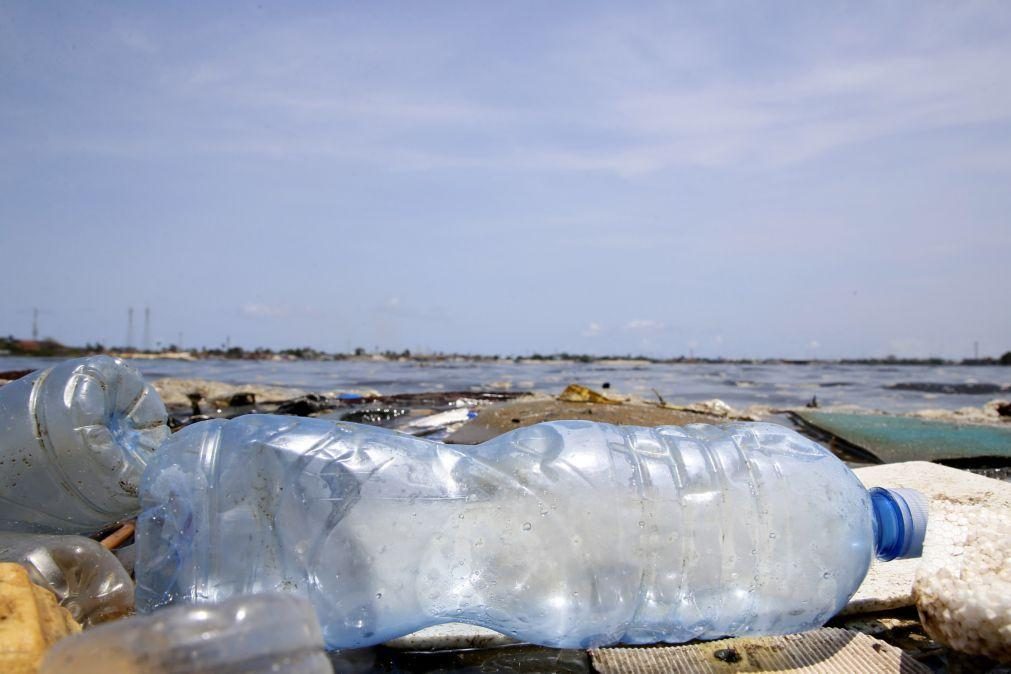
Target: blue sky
(737,179)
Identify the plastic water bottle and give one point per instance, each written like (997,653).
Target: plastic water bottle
(86,578)
(74,440)
(261,634)
(568,534)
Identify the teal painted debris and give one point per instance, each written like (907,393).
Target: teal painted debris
(892,438)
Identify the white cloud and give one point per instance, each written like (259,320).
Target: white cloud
(643,325)
(260,310)
(650,88)
(593,329)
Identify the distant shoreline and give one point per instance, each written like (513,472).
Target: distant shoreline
(49,348)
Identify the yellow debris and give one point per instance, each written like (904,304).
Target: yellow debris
(574,393)
(30,621)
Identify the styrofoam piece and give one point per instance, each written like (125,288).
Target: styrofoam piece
(828,650)
(966,602)
(954,495)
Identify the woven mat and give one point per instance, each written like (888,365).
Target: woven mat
(828,650)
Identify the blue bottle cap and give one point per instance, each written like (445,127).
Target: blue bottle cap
(900,522)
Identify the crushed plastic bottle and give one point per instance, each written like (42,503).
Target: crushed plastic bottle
(74,440)
(568,534)
(258,634)
(86,578)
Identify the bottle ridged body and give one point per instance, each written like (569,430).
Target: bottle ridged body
(570,534)
(74,440)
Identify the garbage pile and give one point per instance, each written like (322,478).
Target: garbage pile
(245,483)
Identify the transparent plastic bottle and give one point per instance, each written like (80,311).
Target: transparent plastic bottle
(258,634)
(86,578)
(74,440)
(569,534)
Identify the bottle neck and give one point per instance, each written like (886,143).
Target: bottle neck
(900,519)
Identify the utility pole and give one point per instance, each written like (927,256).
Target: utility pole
(35,324)
(975,350)
(147,328)
(129,327)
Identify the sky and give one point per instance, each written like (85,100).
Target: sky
(743,179)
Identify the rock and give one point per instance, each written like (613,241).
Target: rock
(1003,409)
(964,601)
(574,393)
(30,621)
(244,399)
(310,403)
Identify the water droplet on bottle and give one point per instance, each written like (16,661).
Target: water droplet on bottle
(772,534)
(460,516)
(642,524)
(379,595)
(527,526)
(827,575)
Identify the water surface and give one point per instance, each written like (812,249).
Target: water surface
(899,388)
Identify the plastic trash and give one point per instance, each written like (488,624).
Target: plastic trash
(569,534)
(246,635)
(86,578)
(74,440)
(30,621)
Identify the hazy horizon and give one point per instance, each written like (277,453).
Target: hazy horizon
(743,180)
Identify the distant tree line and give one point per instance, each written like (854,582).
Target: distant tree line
(13,346)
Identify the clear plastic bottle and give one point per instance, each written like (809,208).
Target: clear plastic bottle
(258,634)
(74,440)
(569,534)
(86,578)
